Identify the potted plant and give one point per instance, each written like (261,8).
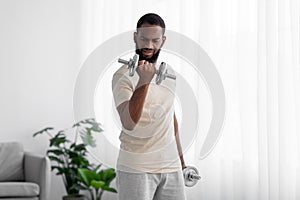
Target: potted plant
(96,181)
(68,156)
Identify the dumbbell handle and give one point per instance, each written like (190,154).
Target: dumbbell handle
(120,60)
(170,76)
(194,176)
(167,75)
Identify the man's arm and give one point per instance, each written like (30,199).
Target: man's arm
(178,142)
(130,111)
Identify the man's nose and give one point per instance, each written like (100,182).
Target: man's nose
(149,44)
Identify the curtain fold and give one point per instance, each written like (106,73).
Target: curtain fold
(279,78)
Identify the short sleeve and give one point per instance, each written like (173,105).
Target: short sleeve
(122,88)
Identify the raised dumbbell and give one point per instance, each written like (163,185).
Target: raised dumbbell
(191,176)
(132,63)
(161,73)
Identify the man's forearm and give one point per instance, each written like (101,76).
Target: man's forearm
(131,111)
(136,102)
(178,142)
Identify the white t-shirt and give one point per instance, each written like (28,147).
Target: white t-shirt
(151,145)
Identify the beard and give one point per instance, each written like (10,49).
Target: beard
(153,58)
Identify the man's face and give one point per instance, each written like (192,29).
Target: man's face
(149,39)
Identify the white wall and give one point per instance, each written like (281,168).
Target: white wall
(40,57)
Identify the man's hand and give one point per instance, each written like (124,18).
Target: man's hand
(146,71)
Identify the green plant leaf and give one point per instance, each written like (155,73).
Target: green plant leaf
(79,161)
(108,175)
(86,176)
(56,159)
(87,138)
(98,184)
(97,129)
(79,147)
(84,121)
(78,187)
(95,126)
(71,153)
(58,139)
(109,189)
(42,131)
(59,169)
(97,168)
(57,152)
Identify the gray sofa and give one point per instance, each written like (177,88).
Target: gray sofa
(23,175)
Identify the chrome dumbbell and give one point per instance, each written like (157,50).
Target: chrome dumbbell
(161,73)
(132,64)
(191,176)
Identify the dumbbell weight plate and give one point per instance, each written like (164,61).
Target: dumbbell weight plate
(133,64)
(187,173)
(160,73)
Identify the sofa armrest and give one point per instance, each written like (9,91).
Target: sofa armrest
(37,170)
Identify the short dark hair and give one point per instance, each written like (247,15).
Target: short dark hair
(152,19)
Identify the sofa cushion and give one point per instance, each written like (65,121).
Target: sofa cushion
(19,189)
(11,161)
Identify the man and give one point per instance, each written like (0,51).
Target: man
(150,160)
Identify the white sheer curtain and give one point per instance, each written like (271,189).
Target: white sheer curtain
(255,48)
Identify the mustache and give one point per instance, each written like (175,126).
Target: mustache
(146,49)
(153,59)
(150,60)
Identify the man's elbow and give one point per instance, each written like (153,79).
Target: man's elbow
(129,128)
(128,125)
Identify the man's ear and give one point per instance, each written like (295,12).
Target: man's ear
(134,36)
(163,40)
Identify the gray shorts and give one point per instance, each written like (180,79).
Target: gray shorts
(150,186)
